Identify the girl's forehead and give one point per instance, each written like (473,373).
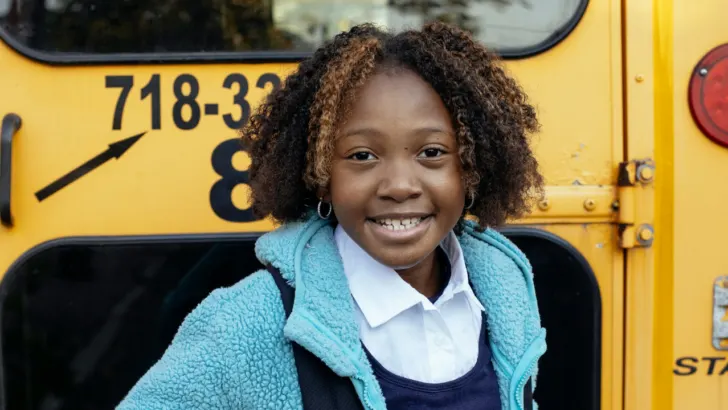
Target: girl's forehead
(397,96)
(403,83)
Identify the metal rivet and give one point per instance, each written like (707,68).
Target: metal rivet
(645,173)
(645,235)
(544,205)
(639,78)
(703,72)
(590,204)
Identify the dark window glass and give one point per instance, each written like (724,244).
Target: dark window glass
(82,323)
(569,375)
(155,26)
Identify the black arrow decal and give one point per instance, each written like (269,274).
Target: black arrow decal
(115,150)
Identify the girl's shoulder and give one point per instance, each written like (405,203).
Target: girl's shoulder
(248,313)
(228,346)
(254,300)
(497,246)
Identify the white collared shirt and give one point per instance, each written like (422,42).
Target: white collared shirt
(407,334)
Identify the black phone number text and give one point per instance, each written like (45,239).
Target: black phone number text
(186,89)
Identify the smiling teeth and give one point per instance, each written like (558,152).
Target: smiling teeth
(400,224)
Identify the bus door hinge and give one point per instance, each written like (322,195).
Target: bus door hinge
(634,176)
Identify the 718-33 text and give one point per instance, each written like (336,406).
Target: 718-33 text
(186,89)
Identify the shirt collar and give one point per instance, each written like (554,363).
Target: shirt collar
(382,294)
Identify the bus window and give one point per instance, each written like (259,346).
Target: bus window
(570,304)
(82,322)
(4,8)
(515,27)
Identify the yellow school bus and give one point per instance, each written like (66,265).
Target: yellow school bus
(123,195)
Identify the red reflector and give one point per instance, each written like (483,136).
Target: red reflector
(708,95)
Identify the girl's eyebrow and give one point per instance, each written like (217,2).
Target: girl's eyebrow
(368,131)
(365,131)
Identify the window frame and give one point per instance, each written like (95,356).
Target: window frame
(253,57)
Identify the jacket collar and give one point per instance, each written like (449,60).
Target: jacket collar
(323,321)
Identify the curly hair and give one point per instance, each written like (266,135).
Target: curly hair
(291,136)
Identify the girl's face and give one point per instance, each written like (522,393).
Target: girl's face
(396,184)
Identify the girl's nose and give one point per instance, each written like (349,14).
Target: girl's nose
(400,181)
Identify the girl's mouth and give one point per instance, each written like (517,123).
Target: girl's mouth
(395,230)
(401,224)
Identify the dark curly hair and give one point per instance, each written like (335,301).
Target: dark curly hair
(291,136)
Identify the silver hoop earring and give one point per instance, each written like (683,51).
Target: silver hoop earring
(328,213)
(472,202)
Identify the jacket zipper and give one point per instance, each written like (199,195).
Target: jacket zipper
(536,350)
(522,385)
(365,393)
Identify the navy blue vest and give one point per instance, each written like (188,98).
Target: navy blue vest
(475,390)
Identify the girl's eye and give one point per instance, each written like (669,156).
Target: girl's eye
(362,156)
(431,153)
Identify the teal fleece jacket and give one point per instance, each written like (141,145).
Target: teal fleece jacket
(233,351)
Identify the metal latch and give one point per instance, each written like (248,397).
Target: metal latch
(720,313)
(633,175)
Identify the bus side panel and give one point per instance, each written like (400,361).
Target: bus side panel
(700,371)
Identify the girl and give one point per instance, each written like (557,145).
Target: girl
(371,156)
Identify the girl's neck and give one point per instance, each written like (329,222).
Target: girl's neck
(425,277)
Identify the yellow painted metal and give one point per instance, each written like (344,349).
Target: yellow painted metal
(613,376)
(160,186)
(574,204)
(663,248)
(669,287)
(698,215)
(639,112)
(627,205)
